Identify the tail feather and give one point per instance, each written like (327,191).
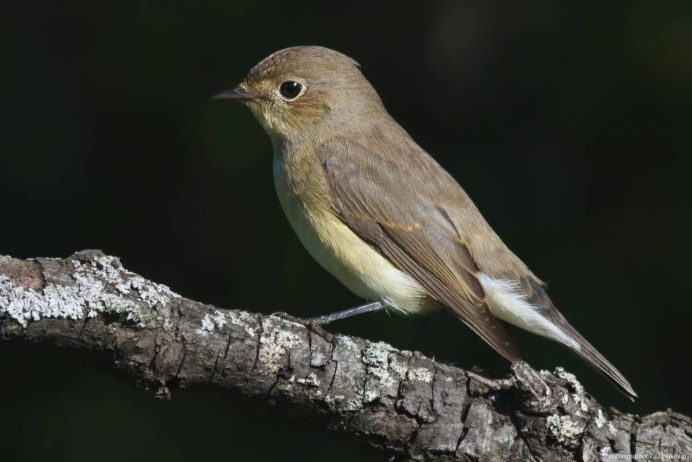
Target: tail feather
(589,354)
(525,304)
(574,340)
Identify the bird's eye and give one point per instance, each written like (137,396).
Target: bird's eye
(290,89)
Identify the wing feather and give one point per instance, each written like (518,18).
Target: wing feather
(411,233)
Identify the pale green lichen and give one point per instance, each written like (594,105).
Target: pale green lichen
(421,374)
(564,428)
(578,396)
(375,355)
(86,295)
(570,378)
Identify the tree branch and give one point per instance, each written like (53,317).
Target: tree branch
(404,404)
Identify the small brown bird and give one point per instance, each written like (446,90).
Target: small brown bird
(381,215)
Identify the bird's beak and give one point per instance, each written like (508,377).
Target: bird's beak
(235,94)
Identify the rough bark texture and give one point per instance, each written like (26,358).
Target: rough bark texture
(404,404)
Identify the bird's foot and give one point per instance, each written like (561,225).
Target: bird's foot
(310,324)
(493,384)
(539,393)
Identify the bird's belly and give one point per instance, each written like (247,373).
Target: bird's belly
(347,257)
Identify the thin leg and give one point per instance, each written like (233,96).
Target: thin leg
(493,384)
(328,318)
(315,324)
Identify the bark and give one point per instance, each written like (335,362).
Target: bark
(403,404)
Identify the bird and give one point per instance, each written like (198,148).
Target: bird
(382,216)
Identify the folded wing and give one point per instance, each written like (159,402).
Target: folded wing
(405,225)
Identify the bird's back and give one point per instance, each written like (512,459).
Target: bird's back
(420,189)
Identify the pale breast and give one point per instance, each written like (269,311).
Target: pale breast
(305,200)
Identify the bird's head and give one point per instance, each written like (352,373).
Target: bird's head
(304,91)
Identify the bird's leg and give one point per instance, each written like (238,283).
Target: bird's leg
(493,384)
(527,379)
(329,318)
(311,326)
(315,324)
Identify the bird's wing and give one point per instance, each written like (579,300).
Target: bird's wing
(383,200)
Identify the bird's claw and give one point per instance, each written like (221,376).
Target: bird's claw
(493,384)
(308,323)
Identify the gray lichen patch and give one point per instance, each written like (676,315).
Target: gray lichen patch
(349,376)
(403,403)
(98,284)
(421,374)
(381,380)
(578,396)
(600,419)
(212,322)
(245,321)
(569,421)
(275,343)
(311,381)
(564,428)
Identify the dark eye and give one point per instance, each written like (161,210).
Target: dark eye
(290,89)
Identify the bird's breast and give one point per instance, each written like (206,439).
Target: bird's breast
(305,199)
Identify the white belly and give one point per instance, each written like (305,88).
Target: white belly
(348,258)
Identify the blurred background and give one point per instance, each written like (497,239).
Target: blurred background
(568,124)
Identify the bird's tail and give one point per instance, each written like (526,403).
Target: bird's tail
(577,343)
(589,354)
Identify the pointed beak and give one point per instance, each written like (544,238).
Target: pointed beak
(235,94)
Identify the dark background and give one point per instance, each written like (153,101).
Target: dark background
(568,125)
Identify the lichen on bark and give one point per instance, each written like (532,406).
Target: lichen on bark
(401,403)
